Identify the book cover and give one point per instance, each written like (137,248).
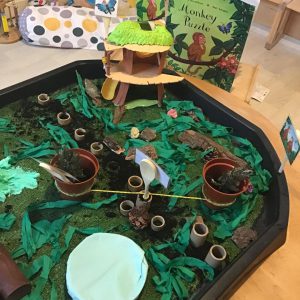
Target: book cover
(148,10)
(290,140)
(209,38)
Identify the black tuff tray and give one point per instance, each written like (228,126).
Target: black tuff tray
(271,225)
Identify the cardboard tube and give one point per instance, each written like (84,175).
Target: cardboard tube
(199,234)
(215,256)
(13,284)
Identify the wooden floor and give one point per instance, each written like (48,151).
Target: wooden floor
(279,276)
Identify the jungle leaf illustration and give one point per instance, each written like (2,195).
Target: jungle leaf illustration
(162,4)
(229,44)
(140,9)
(216,50)
(179,43)
(210,73)
(217,42)
(171,26)
(171,3)
(237,16)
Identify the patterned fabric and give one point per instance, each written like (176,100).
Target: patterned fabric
(64,27)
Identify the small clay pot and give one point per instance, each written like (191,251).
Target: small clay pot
(43,99)
(158,223)
(64,118)
(13,284)
(215,198)
(96,148)
(125,207)
(135,183)
(91,166)
(215,256)
(199,234)
(79,134)
(142,203)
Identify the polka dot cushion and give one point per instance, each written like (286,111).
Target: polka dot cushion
(64,27)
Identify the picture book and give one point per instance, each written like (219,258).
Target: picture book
(290,140)
(209,38)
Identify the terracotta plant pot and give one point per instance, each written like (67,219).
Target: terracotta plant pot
(79,134)
(215,198)
(13,284)
(43,99)
(64,118)
(220,160)
(135,183)
(91,166)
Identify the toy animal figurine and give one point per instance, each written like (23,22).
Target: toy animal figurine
(230,181)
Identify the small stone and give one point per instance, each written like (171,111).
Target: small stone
(243,236)
(148,135)
(148,150)
(139,218)
(134,133)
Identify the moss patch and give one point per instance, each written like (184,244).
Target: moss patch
(108,216)
(130,32)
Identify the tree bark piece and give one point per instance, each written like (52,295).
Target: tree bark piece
(197,140)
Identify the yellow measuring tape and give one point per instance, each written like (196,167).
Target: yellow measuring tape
(153,194)
(163,195)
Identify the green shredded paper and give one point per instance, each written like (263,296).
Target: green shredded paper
(46,230)
(14,179)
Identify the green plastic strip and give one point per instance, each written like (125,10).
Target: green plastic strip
(30,150)
(5,125)
(7,220)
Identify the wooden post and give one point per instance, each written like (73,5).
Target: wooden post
(160,94)
(122,93)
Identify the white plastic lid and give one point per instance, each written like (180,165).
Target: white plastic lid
(106,266)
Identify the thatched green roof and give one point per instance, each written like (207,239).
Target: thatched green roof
(130,32)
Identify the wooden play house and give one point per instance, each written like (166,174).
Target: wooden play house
(141,65)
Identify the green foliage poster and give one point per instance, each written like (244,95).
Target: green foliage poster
(150,9)
(209,38)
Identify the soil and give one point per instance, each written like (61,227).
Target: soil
(126,207)
(157,223)
(64,116)
(25,118)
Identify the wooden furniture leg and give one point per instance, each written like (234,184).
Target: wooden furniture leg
(122,93)
(278,25)
(160,94)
